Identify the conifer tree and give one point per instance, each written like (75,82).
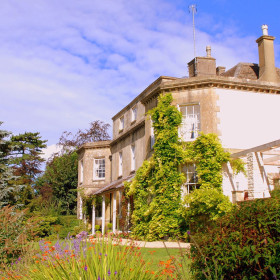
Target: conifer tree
(6,172)
(26,160)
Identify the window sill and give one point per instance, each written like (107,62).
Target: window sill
(132,171)
(120,130)
(133,122)
(98,179)
(120,177)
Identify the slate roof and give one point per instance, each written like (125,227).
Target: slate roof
(245,71)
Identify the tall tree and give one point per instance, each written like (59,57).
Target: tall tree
(6,172)
(26,160)
(97,131)
(60,180)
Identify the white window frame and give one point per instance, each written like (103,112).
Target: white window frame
(190,127)
(82,171)
(133,113)
(121,124)
(191,179)
(132,157)
(120,203)
(99,168)
(120,164)
(152,135)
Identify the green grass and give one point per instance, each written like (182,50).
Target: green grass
(155,255)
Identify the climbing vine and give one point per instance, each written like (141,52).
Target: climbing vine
(159,211)
(208,201)
(156,187)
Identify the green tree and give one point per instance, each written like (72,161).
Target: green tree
(6,172)
(26,159)
(60,180)
(157,185)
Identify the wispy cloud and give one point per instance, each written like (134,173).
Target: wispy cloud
(67,63)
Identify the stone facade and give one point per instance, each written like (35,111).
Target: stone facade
(211,100)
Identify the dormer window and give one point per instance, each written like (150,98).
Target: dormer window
(133,114)
(121,124)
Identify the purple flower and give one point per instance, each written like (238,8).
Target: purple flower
(109,272)
(85,268)
(100,254)
(188,232)
(98,278)
(116,272)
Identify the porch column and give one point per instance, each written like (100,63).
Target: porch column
(114,211)
(93,219)
(103,214)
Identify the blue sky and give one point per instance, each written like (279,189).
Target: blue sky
(66,63)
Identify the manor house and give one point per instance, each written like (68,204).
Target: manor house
(241,105)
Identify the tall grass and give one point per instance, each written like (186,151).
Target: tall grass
(78,259)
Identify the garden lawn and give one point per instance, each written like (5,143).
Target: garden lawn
(157,255)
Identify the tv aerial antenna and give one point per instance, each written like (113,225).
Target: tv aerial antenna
(193,10)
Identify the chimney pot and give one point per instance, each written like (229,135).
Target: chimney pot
(208,51)
(265,29)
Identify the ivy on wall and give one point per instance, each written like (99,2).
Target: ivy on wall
(159,211)
(156,188)
(208,201)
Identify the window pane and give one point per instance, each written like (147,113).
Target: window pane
(190,126)
(99,168)
(191,178)
(183,110)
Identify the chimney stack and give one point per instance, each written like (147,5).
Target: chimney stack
(267,70)
(203,66)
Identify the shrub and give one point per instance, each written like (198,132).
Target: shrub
(245,244)
(206,205)
(68,225)
(15,232)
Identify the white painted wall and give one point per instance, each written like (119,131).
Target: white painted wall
(248,119)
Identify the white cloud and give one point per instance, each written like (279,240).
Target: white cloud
(67,63)
(50,150)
